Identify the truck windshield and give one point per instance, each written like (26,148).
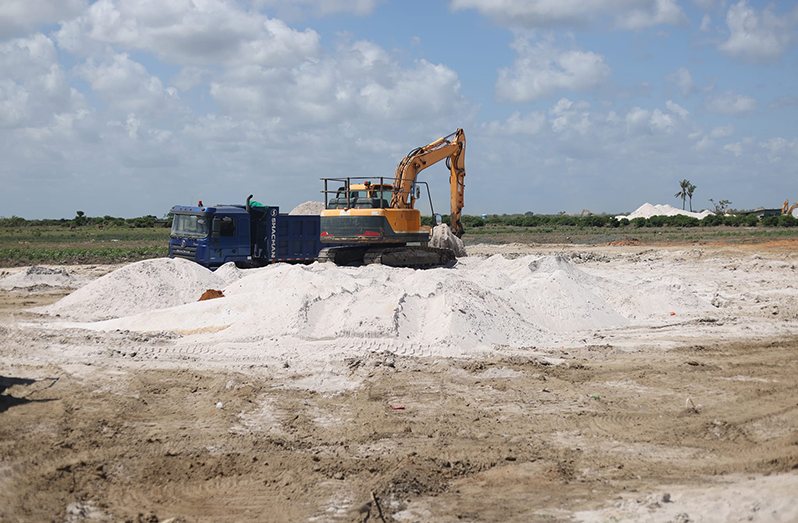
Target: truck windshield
(190,226)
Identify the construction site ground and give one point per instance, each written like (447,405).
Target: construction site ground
(701,428)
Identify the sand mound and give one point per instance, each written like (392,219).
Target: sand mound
(647,211)
(444,238)
(480,304)
(138,287)
(36,276)
(313,208)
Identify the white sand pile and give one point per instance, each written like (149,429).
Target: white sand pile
(313,208)
(444,238)
(36,276)
(473,307)
(138,287)
(647,211)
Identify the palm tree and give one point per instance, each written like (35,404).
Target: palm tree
(690,189)
(684,184)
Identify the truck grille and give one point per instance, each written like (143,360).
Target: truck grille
(188,252)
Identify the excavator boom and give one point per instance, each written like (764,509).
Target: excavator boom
(450,148)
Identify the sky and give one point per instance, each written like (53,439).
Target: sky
(128,107)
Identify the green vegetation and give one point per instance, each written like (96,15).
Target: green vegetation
(82,239)
(494,221)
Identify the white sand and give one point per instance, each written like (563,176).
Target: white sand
(480,304)
(313,208)
(139,287)
(647,211)
(734,499)
(37,276)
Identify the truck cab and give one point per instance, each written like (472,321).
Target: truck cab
(211,236)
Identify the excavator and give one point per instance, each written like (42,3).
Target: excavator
(787,208)
(377,220)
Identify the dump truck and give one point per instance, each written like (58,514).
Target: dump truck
(249,235)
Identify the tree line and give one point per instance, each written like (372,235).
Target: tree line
(679,220)
(81,220)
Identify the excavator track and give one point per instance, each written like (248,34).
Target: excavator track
(397,256)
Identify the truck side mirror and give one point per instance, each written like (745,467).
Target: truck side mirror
(438,219)
(216,228)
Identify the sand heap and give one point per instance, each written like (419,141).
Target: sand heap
(139,287)
(647,211)
(36,276)
(313,208)
(477,305)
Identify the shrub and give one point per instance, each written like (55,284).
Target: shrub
(657,221)
(712,220)
(638,222)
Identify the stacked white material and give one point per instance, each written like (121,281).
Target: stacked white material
(312,208)
(444,238)
(36,276)
(647,211)
(138,287)
(464,311)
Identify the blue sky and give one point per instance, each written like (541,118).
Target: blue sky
(127,107)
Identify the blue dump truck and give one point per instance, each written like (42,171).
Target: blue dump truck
(250,235)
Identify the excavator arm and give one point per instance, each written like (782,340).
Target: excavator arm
(450,148)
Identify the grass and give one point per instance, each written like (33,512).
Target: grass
(89,244)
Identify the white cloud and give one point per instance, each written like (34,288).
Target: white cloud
(189,33)
(731,104)
(359,82)
(125,86)
(18,17)
(678,109)
(648,14)
(758,36)
(530,124)
(777,147)
(723,132)
(321,7)
(540,71)
(706,23)
(683,79)
(626,14)
(33,84)
(735,148)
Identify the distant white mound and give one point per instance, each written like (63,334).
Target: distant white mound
(444,238)
(142,286)
(308,208)
(36,276)
(476,306)
(647,211)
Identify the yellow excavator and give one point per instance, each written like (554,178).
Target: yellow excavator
(377,221)
(787,208)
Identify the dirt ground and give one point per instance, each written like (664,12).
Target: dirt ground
(702,429)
